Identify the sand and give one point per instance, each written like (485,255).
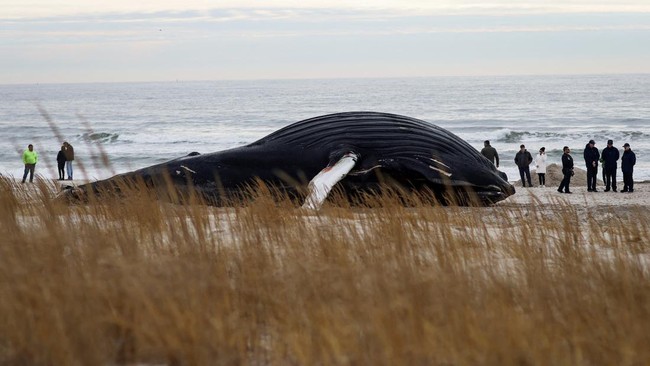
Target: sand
(581,197)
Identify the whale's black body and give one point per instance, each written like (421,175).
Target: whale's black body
(390,150)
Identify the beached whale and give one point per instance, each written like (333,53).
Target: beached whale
(355,152)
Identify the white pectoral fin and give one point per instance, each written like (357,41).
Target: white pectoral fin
(323,182)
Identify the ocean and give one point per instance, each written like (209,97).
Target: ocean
(140,124)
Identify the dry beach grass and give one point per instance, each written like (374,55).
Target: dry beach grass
(535,280)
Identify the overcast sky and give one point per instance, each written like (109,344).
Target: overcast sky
(156,40)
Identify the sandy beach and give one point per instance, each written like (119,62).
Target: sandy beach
(580,197)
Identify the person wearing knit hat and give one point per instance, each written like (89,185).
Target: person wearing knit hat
(627,166)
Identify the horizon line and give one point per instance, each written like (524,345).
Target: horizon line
(320,78)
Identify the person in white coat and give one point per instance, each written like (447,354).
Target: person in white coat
(540,162)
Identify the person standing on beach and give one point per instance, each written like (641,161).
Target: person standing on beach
(627,166)
(591,156)
(69,157)
(523,160)
(60,161)
(30,158)
(490,153)
(540,162)
(609,157)
(567,171)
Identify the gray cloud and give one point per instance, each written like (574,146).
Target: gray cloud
(188,25)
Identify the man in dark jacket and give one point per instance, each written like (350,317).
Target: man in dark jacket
(591,155)
(609,157)
(490,153)
(627,166)
(523,160)
(567,171)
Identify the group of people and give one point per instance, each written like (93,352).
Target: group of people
(609,160)
(64,160)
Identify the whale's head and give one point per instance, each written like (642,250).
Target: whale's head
(459,174)
(481,180)
(491,186)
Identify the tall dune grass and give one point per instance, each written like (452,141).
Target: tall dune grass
(126,281)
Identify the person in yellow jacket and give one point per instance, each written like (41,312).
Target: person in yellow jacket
(30,158)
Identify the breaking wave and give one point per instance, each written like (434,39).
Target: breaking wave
(99,137)
(601,136)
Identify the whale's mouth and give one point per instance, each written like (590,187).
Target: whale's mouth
(494,193)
